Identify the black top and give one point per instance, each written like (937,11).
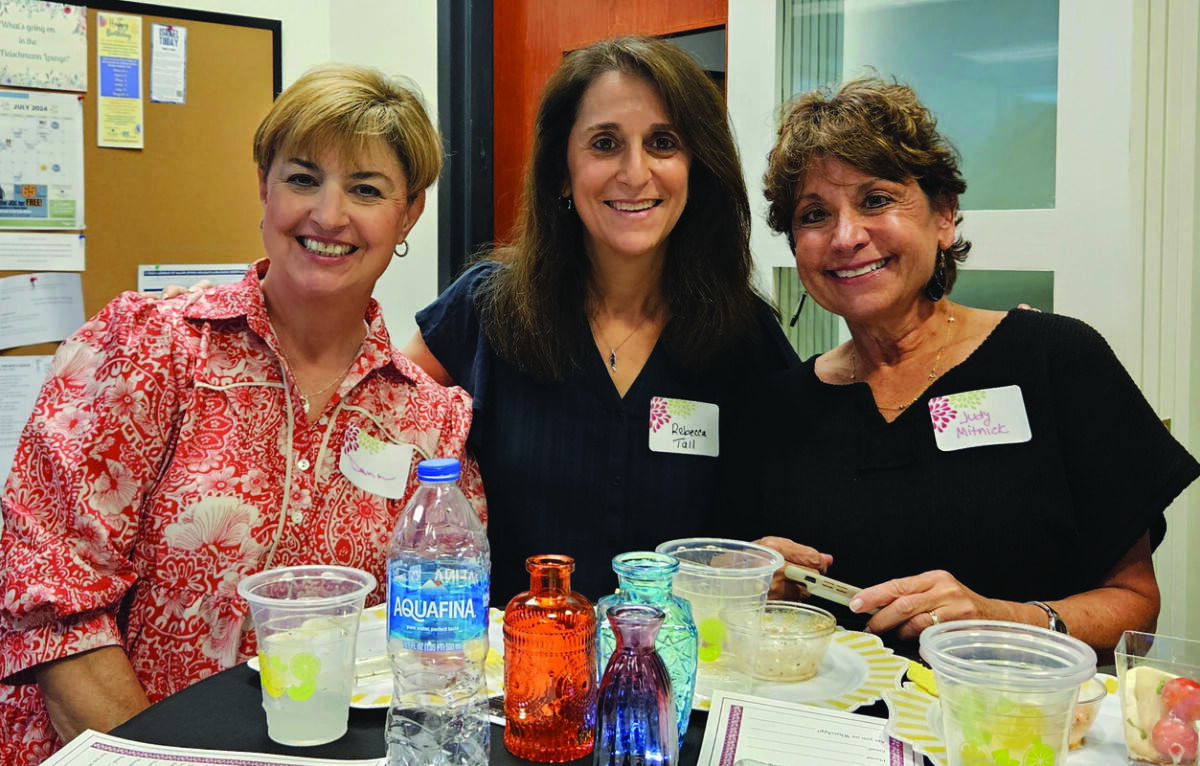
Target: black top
(566,465)
(1041,520)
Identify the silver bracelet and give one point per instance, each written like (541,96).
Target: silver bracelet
(1056,620)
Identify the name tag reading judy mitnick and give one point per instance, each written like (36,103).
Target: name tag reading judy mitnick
(684,427)
(979,418)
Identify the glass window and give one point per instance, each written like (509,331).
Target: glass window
(987,69)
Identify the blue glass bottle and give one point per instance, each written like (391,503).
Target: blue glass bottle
(644,577)
(635,710)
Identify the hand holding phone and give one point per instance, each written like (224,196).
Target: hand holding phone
(821,586)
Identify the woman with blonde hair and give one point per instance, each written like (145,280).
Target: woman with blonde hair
(181,445)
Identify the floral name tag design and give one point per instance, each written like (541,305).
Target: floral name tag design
(684,427)
(377,466)
(979,418)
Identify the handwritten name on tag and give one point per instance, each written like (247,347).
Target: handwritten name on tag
(979,418)
(684,427)
(377,466)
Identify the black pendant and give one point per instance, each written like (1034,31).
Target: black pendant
(612,359)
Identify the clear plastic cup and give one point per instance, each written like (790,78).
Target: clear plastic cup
(719,576)
(306,619)
(1007,690)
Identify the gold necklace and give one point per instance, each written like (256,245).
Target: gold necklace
(612,350)
(305,398)
(937,360)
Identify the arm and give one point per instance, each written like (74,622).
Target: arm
(93,690)
(417,351)
(1126,598)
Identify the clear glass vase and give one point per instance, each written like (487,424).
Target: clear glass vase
(635,711)
(644,577)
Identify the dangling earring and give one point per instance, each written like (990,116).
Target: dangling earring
(935,288)
(799,308)
(260,223)
(396,252)
(566,202)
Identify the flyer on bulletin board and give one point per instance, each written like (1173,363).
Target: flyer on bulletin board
(43,45)
(119,75)
(41,160)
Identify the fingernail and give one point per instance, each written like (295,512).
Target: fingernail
(867,629)
(855,604)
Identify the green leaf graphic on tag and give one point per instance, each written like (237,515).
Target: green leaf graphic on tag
(968,400)
(369,443)
(680,407)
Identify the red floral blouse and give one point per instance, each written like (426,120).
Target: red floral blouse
(167,457)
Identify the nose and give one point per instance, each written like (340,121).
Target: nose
(849,233)
(635,167)
(329,209)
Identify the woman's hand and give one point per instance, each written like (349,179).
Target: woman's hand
(172,291)
(800,555)
(911,604)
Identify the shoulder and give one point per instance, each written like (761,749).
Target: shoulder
(767,343)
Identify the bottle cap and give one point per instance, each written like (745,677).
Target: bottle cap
(438,469)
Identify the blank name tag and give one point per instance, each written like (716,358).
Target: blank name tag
(979,418)
(684,427)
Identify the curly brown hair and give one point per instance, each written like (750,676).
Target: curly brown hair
(533,309)
(878,127)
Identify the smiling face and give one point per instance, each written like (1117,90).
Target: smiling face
(628,170)
(866,246)
(332,221)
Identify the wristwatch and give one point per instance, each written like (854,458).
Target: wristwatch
(1056,620)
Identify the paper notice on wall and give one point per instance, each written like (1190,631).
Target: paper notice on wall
(41,160)
(39,308)
(27,251)
(119,75)
(168,63)
(43,45)
(153,277)
(21,379)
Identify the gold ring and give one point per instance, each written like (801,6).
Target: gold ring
(933,616)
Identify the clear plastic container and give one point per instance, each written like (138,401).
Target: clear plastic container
(1007,689)
(790,639)
(717,575)
(1159,682)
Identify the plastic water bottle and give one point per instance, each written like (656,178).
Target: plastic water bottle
(437,585)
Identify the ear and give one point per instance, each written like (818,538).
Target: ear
(262,187)
(946,215)
(416,206)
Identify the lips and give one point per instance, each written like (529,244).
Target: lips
(328,249)
(634,207)
(858,272)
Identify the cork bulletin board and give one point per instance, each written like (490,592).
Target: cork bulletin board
(191,195)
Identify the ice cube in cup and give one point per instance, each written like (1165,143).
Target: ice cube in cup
(1159,684)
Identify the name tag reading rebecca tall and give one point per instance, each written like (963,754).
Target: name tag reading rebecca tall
(979,418)
(684,427)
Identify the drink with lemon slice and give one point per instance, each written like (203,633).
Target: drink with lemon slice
(307,678)
(1007,690)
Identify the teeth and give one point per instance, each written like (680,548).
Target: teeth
(325,248)
(859,272)
(633,207)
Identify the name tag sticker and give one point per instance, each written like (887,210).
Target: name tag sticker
(979,418)
(375,465)
(684,427)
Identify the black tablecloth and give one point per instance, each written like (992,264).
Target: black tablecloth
(224,712)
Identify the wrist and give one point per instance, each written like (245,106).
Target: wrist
(1054,620)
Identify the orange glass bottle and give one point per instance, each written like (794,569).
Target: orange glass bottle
(549,666)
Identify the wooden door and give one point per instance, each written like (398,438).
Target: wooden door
(530,36)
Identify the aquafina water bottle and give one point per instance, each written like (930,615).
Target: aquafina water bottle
(437,585)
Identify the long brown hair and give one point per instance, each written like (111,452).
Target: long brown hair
(533,308)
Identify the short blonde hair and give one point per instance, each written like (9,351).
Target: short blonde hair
(342,106)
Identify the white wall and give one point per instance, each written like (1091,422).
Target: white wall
(397,36)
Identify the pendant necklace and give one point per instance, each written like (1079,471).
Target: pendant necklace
(612,350)
(305,398)
(937,360)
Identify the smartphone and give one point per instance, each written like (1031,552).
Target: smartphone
(821,586)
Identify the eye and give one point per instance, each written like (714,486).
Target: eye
(876,200)
(604,144)
(303,180)
(366,190)
(664,144)
(809,217)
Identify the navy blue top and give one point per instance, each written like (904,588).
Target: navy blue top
(566,465)
(1043,519)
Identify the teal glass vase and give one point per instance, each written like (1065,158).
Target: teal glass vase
(644,577)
